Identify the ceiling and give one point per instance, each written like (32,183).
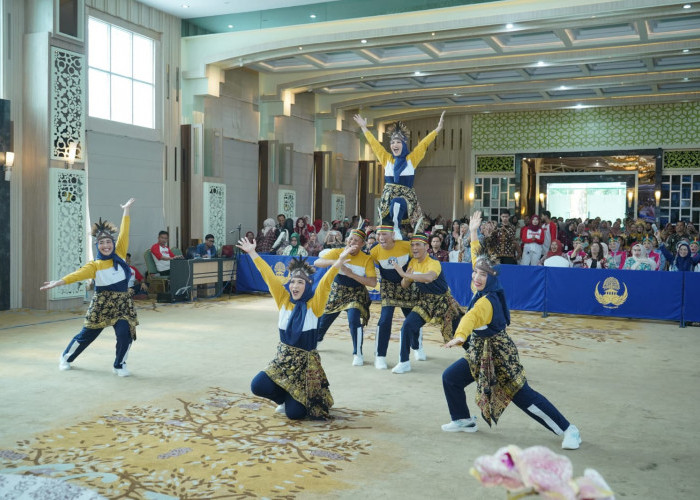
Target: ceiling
(592,54)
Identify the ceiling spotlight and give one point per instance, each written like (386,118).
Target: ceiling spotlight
(509,26)
(230,25)
(313,16)
(363,41)
(541,63)
(301,48)
(456,95)
(185,6)
(685,51)
(687,6)
(417,73)
(686,79)
(579,106)
(563,87)
(432,34)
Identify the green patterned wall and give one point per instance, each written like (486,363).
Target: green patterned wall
(682,159)
(495,164)
(652,125)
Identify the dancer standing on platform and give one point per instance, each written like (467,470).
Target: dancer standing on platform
(399,203)
(492,360)
(393,294)
(434,301)
(112,303)
(349,290)
(295,379)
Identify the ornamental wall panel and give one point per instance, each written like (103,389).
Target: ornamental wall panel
(68,103)
(287,203)
(215,212)
(67,229)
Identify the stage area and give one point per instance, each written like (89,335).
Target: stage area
(185,425)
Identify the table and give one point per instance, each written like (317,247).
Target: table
(185,274)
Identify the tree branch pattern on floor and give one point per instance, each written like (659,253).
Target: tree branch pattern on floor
(227,445)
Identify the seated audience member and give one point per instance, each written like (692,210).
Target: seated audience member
(454,236)
(162,254)
(577,256)
(136,281)
(638,260)
(694,247)
(266,237)
(648,243)
(284,223)
(556,249)
(675,237)
(567,235)
(682,261)
(596,257)
(302,230)
(435,251)
(294,248)
(616,256)
(334,239)
(313,246)
(322,232)
(206,250)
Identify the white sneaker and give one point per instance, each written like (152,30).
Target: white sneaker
(572,438)
(63,364)
(461,425)
(380,363)
(419,354)
(280,409)
(122,372)
(357,360)
(402,367)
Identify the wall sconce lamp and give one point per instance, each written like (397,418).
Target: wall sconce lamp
(471,195)
(70,158)
(542,201)
(630,196)
(516,195)
(657,195)
(8,161)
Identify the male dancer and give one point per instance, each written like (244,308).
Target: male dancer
(349,290)
(393,294)
(435,302)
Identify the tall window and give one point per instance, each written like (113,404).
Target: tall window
(121,76)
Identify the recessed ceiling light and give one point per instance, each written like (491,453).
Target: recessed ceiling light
(687,6)
(363,41)
(300,47)
(685,51)
(432,34)
(563,87)
(509,26)
(185,6)
(541,63)
(230,25)
(579,106)
(456,95)
(313,16)
(417,73)
(686,79)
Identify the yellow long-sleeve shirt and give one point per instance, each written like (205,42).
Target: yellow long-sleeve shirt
(102,271)
(481,313)
(412,159)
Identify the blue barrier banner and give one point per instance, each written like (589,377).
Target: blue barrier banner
(524,285)
(691,296)
(249,279)
(608,292)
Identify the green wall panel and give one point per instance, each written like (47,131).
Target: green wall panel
(653,125)
(682,159)
(495,164)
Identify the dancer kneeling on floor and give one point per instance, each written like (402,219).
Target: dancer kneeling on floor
(295,379)
(112,303)
(434,301)
(492,360)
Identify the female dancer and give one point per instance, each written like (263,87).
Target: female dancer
(295,379)
(492,360)
(399,203)
(112,303)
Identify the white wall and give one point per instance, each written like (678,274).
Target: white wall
(121,168)
(240,174)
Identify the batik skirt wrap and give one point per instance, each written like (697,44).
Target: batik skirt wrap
(442,309)
(107,307)
(344,297)
(495,366)
(300,373)
(392,191)
(393,294)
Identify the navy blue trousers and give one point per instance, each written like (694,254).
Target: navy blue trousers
(355,322)
(263,386)
(457,377)
(87,335)
(410,333)
(384,328)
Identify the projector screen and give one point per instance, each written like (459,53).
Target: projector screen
(587,200)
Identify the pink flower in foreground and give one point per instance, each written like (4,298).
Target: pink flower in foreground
(498,469)
(593,486)
(545,471)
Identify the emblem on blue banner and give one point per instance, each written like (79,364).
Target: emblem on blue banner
(610,299)
(281,270)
